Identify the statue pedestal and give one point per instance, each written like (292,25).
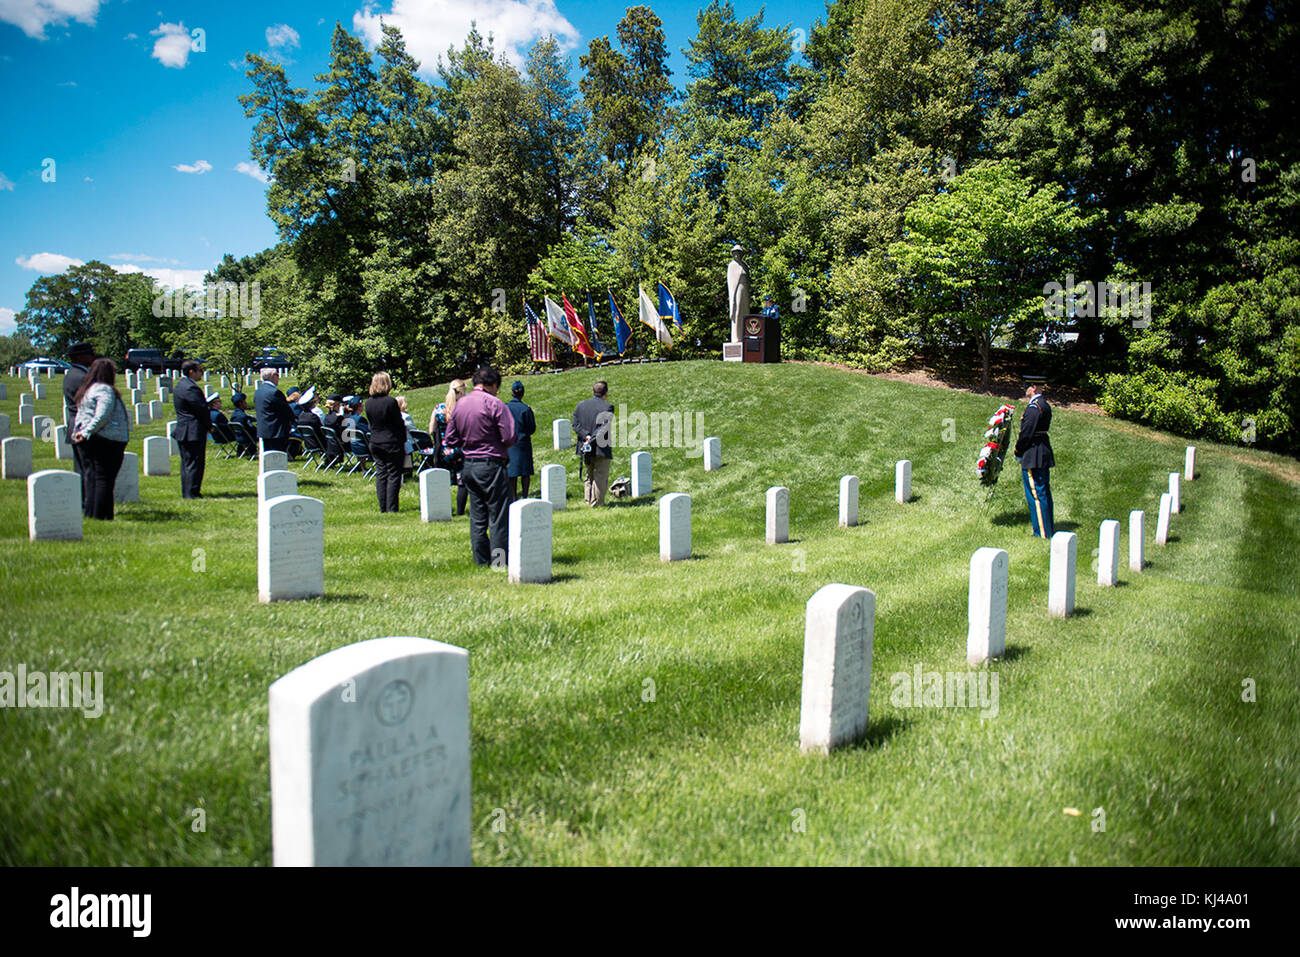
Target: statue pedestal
(733,352)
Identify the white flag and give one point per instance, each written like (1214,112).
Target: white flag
(649,311)
(556,324)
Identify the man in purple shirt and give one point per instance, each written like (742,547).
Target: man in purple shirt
(483,428)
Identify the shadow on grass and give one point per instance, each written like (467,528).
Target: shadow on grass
(334,597)
(230,495)
(878,732)
(146,514)
(1014,652)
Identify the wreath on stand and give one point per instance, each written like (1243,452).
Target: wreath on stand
(997,440)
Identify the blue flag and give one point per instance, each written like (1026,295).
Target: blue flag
(668,307)
(621,329)
(596,344)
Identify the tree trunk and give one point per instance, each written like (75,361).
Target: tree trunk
(985,348)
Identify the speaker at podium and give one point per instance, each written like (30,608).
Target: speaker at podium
(761,338)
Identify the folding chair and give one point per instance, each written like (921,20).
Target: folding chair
(420,459)
(245,441)
(313,444)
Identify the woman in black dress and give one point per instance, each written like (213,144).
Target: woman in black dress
(387,440)
(521,453)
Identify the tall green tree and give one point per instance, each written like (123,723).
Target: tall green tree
(973,256)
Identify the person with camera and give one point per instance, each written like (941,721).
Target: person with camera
(592,422)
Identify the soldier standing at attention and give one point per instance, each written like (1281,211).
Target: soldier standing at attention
(1034,452)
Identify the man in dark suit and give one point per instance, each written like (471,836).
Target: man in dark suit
(81,355)
(1034,451)
(592,419)
(274,417)
(193,422)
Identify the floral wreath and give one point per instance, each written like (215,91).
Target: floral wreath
(996,441)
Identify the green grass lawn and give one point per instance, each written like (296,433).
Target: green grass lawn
(1133,706)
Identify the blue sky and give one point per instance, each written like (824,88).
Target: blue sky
(124,143)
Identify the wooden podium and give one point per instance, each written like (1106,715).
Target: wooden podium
(761,338)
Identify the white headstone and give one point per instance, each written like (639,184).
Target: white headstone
(43,428)
(274,484)
(553,484)
(435,495)
(1060,588)
(1137,523)
(157,455)
(839,630)
(848,501)
(272,460)
(54,505)
(137,396)
(561,434)
(16,458)
(290,548)
(1175,492)
(528,554)
(62,447)
(25,399)
(225,382)
(903,482)
(1108,553)
(370,760)
(674,527)
(38,390)
(155,410)
(1162,523)
(986,636)
(4,391)
(712,453)
(25,414)
(1189,465)
(778,515)
(142,415)
(4,425)
(172,445)
(641,484)
(127,486)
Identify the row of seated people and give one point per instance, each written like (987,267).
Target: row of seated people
(330,433)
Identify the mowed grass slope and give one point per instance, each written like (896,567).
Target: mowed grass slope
(637,712)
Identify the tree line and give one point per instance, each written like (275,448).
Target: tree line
(906,177)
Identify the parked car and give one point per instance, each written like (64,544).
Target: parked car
(42,363)
(271,359)
(154,359)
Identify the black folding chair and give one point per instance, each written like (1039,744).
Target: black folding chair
(419,457)
(313,444)
(224,440)
(245,441)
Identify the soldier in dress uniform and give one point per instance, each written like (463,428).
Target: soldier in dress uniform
(1034,452)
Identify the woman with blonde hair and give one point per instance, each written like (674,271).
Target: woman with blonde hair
(387,440)
(450,459)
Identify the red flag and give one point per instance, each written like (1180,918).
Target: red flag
(580,342)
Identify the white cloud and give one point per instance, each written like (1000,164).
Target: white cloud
(430,28)
(172,48)
(6,182)
(7,324)
(33,16)
(281,35)
(251,169)
(48,264)
(69,83)
(131,36)
(172,278)
(202,166)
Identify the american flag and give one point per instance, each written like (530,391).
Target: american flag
(538,341)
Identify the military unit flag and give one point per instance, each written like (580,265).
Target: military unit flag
(650,316)
(622,331)
(556,323)
(668,307)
